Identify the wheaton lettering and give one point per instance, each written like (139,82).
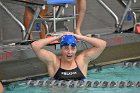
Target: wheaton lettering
(68,73)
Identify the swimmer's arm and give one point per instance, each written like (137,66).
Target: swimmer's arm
(93,52)
(44,54)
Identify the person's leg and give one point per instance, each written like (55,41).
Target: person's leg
(81,9)
(43,28)
(28,18)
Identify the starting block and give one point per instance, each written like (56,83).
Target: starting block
(53,2)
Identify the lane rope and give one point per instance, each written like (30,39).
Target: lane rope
(80,84)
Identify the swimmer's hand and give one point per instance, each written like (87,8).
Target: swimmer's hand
(70,33)
(78,36)
(63,34)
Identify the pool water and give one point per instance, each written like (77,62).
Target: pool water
(107,73)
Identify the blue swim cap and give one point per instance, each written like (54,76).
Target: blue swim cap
(68,40)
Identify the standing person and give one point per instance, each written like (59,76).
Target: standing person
(28,17)
(81,8)
(68,66)
(1,88)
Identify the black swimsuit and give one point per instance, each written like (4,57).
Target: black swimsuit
(73,74)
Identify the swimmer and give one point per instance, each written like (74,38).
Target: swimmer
(68,66)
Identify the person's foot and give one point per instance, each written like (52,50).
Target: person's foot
(89,35)
(78,32)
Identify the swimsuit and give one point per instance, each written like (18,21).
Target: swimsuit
(73,74)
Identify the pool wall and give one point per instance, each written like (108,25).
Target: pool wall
(20,62)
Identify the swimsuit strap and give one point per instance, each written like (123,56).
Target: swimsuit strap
(60,63)
(76,63)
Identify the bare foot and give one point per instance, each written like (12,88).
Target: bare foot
(78,32)
(89,35)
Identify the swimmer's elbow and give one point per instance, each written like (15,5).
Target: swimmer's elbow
(104,44)
(101,45)
(34,46)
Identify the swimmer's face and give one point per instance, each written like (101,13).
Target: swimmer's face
(68,52)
